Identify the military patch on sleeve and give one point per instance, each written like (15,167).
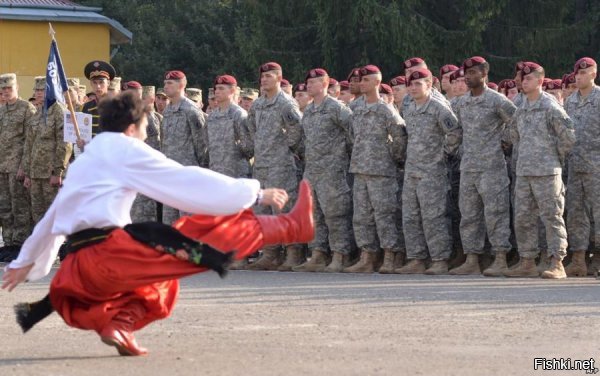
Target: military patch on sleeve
(292,116)
(449,123)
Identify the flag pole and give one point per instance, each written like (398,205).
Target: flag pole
(69,101)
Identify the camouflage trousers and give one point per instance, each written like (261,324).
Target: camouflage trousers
(143,209)
(485,205)
(583,202)
(332,211)
(400,179)
(284,177)
(540,197)
(375,210)
(15,212)
(41,194)
(170,215)
(425,218)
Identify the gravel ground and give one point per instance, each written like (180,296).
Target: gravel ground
(269,323)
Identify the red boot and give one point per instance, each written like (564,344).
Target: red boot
(297,226)
(119,332)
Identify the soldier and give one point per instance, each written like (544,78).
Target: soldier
(569,85)
(45,156)
(399,89)
(161,101)
(379,140)
(183,137)
(583,187)
(334,88)
(354,82)
(73,84)
(545,135)
(195,95)
(459,86)
(519,97)
(411,65)
(325,123)
(302,97)
(554,88)
(81,89)
(436,84)
(248,96)
(100,74)
(212,102)
(432,129)
(386,93)
(154,118)
(445,73)
(16,119)
(38,95)
(274,125)
(346,95)
(286,87)
(511,90)
(484,185)
(114,88)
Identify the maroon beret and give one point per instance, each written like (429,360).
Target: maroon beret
(418,74)
(133,85)
(301,87)
(456,75)
(530,66)
(502,84)
(354,73)
(333,82)
(546,82)
(285,82)
(397,81)
(344,85)
(270,66)
(225,80)
(584,62)
(369,69)
(567,79)
(554,85)
(174,75)
(493,85)
(316,72)
(518,66)
(385,89)
(412,62)
(511,84)
(448,68)
(473,62)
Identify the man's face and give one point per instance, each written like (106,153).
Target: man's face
(459,87)
(246,103)
(531,83)
(73,92)
(518,79)
(140,132)
(39,95)
(212,102)
(10,93)
(474,77)
(369,83)
(355,85)
(346,96)
(584,78)
(161,103)
(224,93)
(512,93)
(316,85)
(419,89)
(570,89)
(270,80)
(399,93)
(302,98)
(173,87)
(99,86)
(149,102)
(446,82)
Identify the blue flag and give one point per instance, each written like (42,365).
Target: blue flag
(56,81)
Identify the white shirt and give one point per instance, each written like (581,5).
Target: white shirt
(103,182)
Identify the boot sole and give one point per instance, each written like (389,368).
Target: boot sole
(123,350)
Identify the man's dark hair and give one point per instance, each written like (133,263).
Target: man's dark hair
(118,112)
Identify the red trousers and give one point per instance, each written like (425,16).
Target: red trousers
(121,275)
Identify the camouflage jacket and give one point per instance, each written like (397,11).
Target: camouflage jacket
(153,130)
(585,113)
(15,121)
(183,134)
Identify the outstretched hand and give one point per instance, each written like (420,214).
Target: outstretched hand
(12,277)
(274,197)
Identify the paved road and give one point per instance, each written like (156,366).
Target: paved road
(269,323)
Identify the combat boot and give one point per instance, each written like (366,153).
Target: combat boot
(438,268)
(317,262)
(294,256)
(544,263)
(498,267)
(577,267)
(338,262)
(525,268)
(391,261)
(470,267)
(239,264)
(268,260)
(413,266)
(366,264)
(594,266)
(556,270)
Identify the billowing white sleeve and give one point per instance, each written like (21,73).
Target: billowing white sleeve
(40,248)
(187,188)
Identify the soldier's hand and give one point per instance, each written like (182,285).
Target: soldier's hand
(55,181)
(277,198)
(27,182)
(20,174)
(80,144)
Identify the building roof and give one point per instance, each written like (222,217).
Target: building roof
(62,11)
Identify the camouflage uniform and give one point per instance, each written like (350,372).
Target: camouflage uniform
(583,187)
(326,130)
(15,121)
(484,184)
(144,208)
(431,129)
(544,133)
(45,155)
(229,144)
(183,140)
(379,143)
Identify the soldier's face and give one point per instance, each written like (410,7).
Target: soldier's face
(269,80)
(459,87)
(246,103)
(419,89)
(512,93)
(369,83)
(161,102)
(224,93)
(584,78)
(399,93)
(446,82)
(531,83)
(99,86)
(518,79)
(10,93)
(474,77)
(302,98)
(39,95)
(173,87)
(346,96)
(316,85)
(355,85)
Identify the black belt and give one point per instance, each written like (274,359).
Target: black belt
(85,238)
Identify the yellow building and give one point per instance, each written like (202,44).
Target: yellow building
(82,33)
